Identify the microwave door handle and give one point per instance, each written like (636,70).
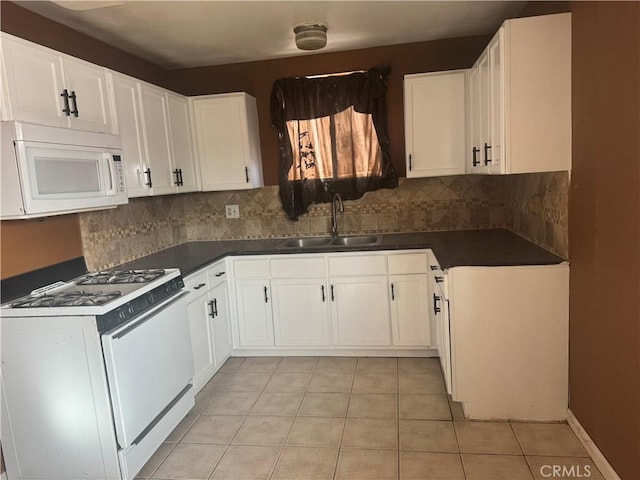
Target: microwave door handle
(111,190)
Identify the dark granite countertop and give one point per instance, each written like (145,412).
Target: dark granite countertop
(495,247)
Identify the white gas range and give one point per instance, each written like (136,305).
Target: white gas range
(96,373)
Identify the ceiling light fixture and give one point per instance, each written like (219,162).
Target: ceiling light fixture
(311,36)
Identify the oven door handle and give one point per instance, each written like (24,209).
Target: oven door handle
(146,316)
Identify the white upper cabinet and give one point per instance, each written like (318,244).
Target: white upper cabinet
(129,125)
(227,141)
(520,106)
(50,88)
(435,123)
(184,164)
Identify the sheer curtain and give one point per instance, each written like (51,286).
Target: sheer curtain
(333,137)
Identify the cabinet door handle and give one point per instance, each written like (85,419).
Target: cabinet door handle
(487,147)
(66,110)
(436,308)
(147,172)
(475,153)
(434,267)
(211,313)
(266,296)
(176,172)
(73,97)
(439,279)
(393,293)
(410,166)
(199,286)
(246,173)
(322,289)
(332,295)
(215,307)
(219,274)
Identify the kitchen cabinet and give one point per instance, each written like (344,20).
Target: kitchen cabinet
(300,312)
(128,122)
(227,141)
(157,141)
(183,166)
(47,87)
(520,98)
(509,337)
(208,313)
(435,123)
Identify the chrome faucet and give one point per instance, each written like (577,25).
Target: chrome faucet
(336,206)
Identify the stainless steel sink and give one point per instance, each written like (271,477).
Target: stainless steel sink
(355,241)
(307,242)
(325,242)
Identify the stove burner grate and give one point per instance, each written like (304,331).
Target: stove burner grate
(66,299)
(120,276)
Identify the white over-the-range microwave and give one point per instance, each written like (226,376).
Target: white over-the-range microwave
(52,171)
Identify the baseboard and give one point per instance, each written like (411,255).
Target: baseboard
(594,452)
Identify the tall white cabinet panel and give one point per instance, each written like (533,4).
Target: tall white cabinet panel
(360,310)
(129,126)
(227,140)
(255,320)
(523,109)
(300,312)
(435,123)
(410,310)
(184,164)
(50,88)
(155,121)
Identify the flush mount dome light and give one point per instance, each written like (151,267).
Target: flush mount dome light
(310,36)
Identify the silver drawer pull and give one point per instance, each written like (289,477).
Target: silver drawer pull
(199,286)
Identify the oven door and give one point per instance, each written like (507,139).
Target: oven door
(149,368)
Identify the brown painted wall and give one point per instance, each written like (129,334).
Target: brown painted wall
(27,245)
(257,79)
(604,230)
(23,23)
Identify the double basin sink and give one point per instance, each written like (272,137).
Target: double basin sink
(329,242)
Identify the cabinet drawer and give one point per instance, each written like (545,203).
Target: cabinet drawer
(407,263)
(298,267)
(196,284)
(358,265)
(217,273)
(251,268)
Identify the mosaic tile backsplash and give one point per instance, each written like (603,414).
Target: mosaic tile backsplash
(147,225)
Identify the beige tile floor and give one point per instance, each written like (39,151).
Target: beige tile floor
(276,418)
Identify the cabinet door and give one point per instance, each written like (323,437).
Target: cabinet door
(255,321)
(222,141)
(91,101)
(155,121)
(300,313)
(129,123)
(34,84)
(200,327)
(181,142)
(360,310)
(410,310)
(435,123)
(496,103)
(221,330)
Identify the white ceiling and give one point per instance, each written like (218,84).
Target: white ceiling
(180,34)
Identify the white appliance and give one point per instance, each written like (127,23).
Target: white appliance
(96,374)
(50,170)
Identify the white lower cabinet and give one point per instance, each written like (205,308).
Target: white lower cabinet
(410,310)
(360,311)
(300,312)
(255,319)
